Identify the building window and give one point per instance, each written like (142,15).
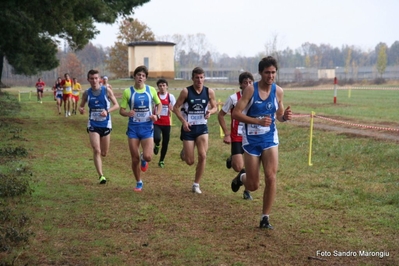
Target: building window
(147,62)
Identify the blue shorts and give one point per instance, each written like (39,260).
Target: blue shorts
(256,149)
(196,131)
(58,96)
(140,131)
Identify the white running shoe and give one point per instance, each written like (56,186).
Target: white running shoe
(66,114)
(196,189)
(69,113)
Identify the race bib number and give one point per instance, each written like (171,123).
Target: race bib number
(196,119)
(257,129)
(68,89)
(141,117)
(95,115)
(165,110)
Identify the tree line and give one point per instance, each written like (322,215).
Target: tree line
(195,50)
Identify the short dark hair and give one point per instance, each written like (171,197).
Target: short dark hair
(245,75)
(162,81)
(141,69)
(267,62)
(197,70)
(92,72)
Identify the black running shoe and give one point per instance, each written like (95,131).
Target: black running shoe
(156,149)
(228,162)
(236,183)
(247,195)
(264,223)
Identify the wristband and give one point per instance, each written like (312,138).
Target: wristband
(284,119)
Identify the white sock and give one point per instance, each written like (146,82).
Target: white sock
(241,176)
(265,215)
(195,184)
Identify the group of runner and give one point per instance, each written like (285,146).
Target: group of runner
(254,111)
(66,91)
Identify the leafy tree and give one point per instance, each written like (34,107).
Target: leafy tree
(130,30)
(118,60)
(382,58)
(29,28)
(71,64)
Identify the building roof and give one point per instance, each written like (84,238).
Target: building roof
(151,43)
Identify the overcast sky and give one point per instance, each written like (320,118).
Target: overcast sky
(244,27)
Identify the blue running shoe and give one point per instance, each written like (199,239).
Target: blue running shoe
(139,186)
(144,164)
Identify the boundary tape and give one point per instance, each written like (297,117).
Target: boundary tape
(348,123)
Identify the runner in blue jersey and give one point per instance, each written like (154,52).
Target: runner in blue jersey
(194,131)
(140,100)
(99,125)
(259,108)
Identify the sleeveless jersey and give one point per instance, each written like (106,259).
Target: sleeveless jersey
(235,125)
(97,104)
(67,83)
(40,85)
(259,108)
(142,105)
(197,105)
(76,89)
(58,88)
(164,119)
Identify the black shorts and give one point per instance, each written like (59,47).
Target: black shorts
(236,148)
(102,131)
(196,131)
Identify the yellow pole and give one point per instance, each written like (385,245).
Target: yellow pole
(19,96)
(30,95)
(311,137)
(220,128)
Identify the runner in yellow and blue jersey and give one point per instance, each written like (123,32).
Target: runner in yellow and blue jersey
(140,100)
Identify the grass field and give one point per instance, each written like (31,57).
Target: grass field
(343,210)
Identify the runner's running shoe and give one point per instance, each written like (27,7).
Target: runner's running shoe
(102,179)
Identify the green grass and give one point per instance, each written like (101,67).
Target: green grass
(348,199)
